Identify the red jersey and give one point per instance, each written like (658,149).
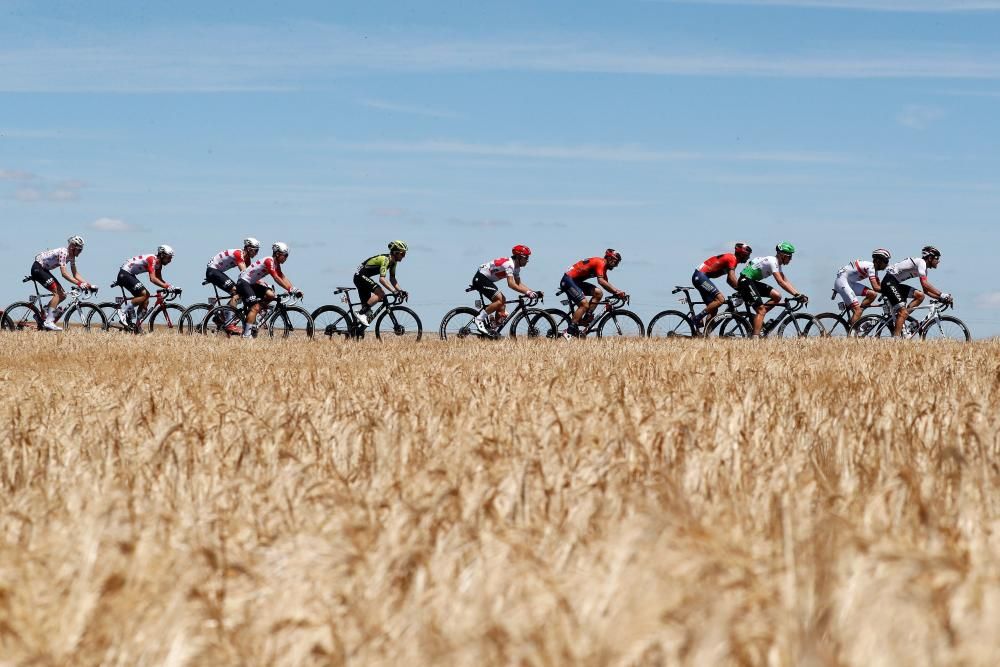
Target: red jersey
(719,265)
(585,269)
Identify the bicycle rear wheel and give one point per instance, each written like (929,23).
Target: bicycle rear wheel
(192,318)
(730,325)
(561,318)
(332,322)
(621,323)
(835,325)
(801,325)
(398,323)
(23,316)
(671,324)
(291,323)
(84,317)
(223,322)
(166,318)
(533,323)
(946,327)
(459,323)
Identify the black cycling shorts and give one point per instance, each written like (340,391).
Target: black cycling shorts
(44,277)
(486,287)
(220,280)
(576,289)
(704,285)
(754,292)
(131,283)
(251,293)
(366,287)
(896,292)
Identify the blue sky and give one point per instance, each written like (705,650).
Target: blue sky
(664,129)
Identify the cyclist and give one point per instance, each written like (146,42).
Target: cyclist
(151,264)
(41,273)
(849,286)
(574,284)
(370,292)
(716,267)
(491,273)
(753,290)
(254,292)
(225,260)
(896,293)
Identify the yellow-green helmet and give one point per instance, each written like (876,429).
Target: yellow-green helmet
(397,246)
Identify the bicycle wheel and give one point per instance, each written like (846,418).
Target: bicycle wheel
(84,317)
(835,325)
(332,322)
(730,325)
(292,323)
(166,318)
(946,327)
(671,324)
(398,322)
(533,323)
(561,318)
(192,318)
(5,323)
(877,326)
(801,325)
(621,323)
(23,316)
(223,322)
(458,323)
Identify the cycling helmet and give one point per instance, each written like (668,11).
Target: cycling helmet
(522,250)
(397,246)
(785,247)
(743,249)
(611,253)
(278,246)
(881,253)
(75,241)
(251,242)
(165,250)
(930,251)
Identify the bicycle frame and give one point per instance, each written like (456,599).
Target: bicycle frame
(162,297)
(611,303)
(523,302)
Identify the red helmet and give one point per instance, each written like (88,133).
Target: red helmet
(743,249)
(522,250)
(611,253)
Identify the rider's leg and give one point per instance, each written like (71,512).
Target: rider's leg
(711,308)
(496,304)
(758,319)
(901,316)
(57,295)
(855,312)
(918,298)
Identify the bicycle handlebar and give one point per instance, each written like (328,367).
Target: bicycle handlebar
(396,298)
(169,294)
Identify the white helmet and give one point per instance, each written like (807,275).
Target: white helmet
(251,242)
(280,247)
(165,250)
(75,241)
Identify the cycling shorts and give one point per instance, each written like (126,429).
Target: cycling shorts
(44,277)
(251,293)
(366,287)
(131,283)
(486,287)
(576,289)
(704,285)
(220,280)
(754,292)
(895,292)
(849,291)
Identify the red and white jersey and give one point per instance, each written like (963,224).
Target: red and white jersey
(859,270)
(227,259)
(260,269)
(500,268)
(51,259)
(911,267)
(142,264)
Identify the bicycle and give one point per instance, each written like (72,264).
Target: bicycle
(525,320)
(934,326)
(194,316)
(616,320)
(390,319)
(162,315)
(838,325)
(788,324)
(76,313)
(676,324)
(282,317)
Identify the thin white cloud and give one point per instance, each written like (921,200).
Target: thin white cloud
(407,109)
(572,203)
(990,300)
(113,225)
(911,6)
(15,175)
(917,117)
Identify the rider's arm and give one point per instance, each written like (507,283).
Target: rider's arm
(73,277)
(926,286)
(391,284)
(285,283)
(241,263)
(785,285)
(603,282)
(516,285)
(732,278)
(157,279)
(876,285)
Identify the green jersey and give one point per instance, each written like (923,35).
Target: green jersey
(377,265)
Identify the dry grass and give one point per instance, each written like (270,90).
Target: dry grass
(175,502)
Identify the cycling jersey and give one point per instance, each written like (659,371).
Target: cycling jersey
(51,259)
(260,269)
(227,259)
(719,265)
(500,268)
(376,265)
(858,270)
(142,264)
(585,269)
(760,268)
(911,267)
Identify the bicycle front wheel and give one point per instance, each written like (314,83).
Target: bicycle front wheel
(836,326)
(192,318)
(621,323)
(292,323)
(946,327)
(399,323)
(23,317)
(84,317)
(801,325)
(730,325)
(332,322)
(459,323)
(166,318)
(561,318)
(223,322)
(671,324)
(533,323)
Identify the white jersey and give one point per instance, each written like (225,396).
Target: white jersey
(761,268)
(51,259)
(911,267)
(142,264)
(260,269)
(858,270)
(500,268)
(227,259)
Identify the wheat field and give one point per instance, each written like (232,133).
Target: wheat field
(171,501)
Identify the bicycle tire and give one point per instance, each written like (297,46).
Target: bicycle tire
(110,312)
(399,327)
(927,332)
(671,324)
(83,315)
(536,324)
(166,317)
(460,322)
(5,323)
(561,318)
(617,318)
(291,322)
(332,322)
(218,320)
(23,316)
(877,326)
(835,325)
(192,318)
(730,325)
(801,325)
